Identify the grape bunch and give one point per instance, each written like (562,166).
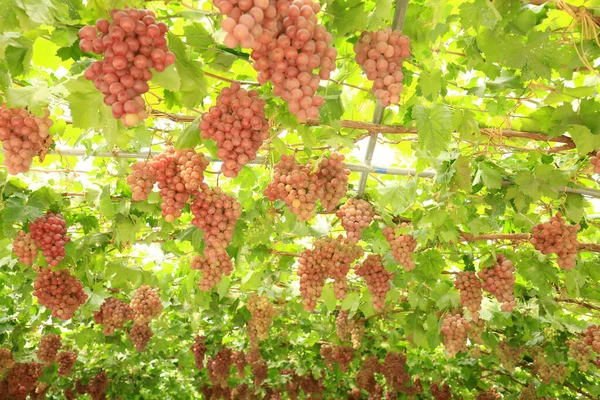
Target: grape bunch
(60,292)
(595,160)
(215,213)
(145,304)
(357,333)
(402,246)
(592,337)
(98,386)
(238,124)
(454,332)
(218,367)
(259,371)
(199,351)
(332,180)
(355,215)
(555,236)
(66,361)
(141,180)
(40,391)
(22,379)
(213,268)
(394,370)
(313,388)
(377,279)
(344,253)
(140,334)
(509,357)
(381,54)
(25,248)
(80,387)
(581,353)
(239,360)
(499,280)
(50,234)
(113,314)
(529,393)
(549,372)
(69,394)
(490,394)
(470,292)
(343,355)
(440,391)
(23,137)
(6,360)
(343,325)
(476,331)
(365,377)
(48,348)
(262,313)
(132,44)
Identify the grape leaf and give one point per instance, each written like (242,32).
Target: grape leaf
(435,127)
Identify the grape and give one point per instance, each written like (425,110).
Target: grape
(490,394)
(292,385)
(239,360)
(132,44)
(240,392)
(113,314)
(470,292)
(25,248)
(69,394)
(592,337)
(259,370)
(377,279)
(394,371)
(262,313)
(140,334)
(48,349)
(218,367)
(357,333)
(313,388)
(402,246)
(354,394)
(145,304)
(440,392)
(529,393)
(80,388)
(21,379)
(343,355)
(23,137)
(549,372)
(476,330)
(238,124)
(414,389)
(595,162)
(98,386)
(454,333)
(381,54)
(555,236)
(6,360)
(499,280)
(141,180)
(332,180)
(50,234)
(581,353)
(365,377)
(199,350)
(40,391)
(60,292)
(66,360)
(355,215)
(509,357)
(213,268)
(343,325)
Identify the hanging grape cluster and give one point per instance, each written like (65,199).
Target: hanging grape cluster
(21,380)
(113,314)
(595,160)
(356,334)
(581,353)
(555,236)
(259,371)
(332,180)
(199,351)
(356,215)
(60,292)
(23,137)
(98,386)
(508,356)
(454,333)
(218,367)
(343,355)
(394,370)
(343,325)
(402,245)
(69,394)
(239,360)
(66,360)
(140,334)
(48,348)
(132,44)
(381,54)
(49,233)
(592,337)
(6,360)
(547,371)
(490,394)
(145,304)
(213,269)
(377,279)
(470,292)
(262,313)
(365,377)
(499,280)
(238,124)
(25,248)
(440,391)
(476,330)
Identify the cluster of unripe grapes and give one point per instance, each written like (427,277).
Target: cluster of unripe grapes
(595,160)
(21,380)
(381,54)
(470,292)
(394,370)
(499,280)
(23,137)
(262,313)
(237,123)
(213,268)
(440,391)
(356,215)
(509,357)
(402,245)
(132,44)
(140,334)
(476,331)
(377,278)
(259,371)
(66,360)
(113,314)
(145,304)
(48,348)
(555,236)
(49,233)
(592,337)
(6,360)
(365,377)
(199,350)
(581,353)
(25,248)
(60,292)
(343,355)
(454,333)
(218,367)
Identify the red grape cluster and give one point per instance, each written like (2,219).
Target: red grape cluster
(508,356)
(394,370)
(140,334)
(402,246)
(381,54)
(499,280)
(25,248)
(440,391)
(377,279)
(365,377)
(218,367)
(59,291)
(592,337)
(80,387)
(581,353)
(21,380)
(215,213)
(239,360)
(213,268)
(66,361)
(113,314)
(23,137)
(199,351)
(238,124)
(98,386)
(145,304)
(454,332)
(470,292)
(490,394)
(343,325)
(595,162)
(132,44)
(6,360)
(355,215)
(313,388)
(555,236)
(259,370)
(262,313)
(50,234)
(332,180)
(69,394)
(48,348)
(343,355)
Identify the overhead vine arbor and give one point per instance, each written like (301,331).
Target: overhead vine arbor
(265,199)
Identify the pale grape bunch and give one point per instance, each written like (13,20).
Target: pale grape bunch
(595,161)
(381,54)
(66,360)
(262,313)
(476,330)
(213,267)
(555,236)
(6,360)
(146,305)
(440,391)
(549,372)
(238,125)
(21,380)
(199,351)
(24,136)
(113,314)
(581,353)
(402,245)
(48,348)
(356,215)
(140,334)
(343,325)
(49,233)
(509,357)
(25,248)
(377,278)
(454,333)
(394,370)
(592,337)
(132,44)
(60,292)
(332,180)
(218,367)
(356,334)
(471,294)
(365,377)
(259,371)
(499,280)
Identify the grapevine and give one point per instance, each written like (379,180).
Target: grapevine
(66,360)
(48,348)
(113,314)
(555,236)
(499,280)
(60,292)
(25,248)
(356,215)
(377,278)
(470,292)
(454,332)
(50,234)
(145,304)
(140,335)
(402,246)
(199,351)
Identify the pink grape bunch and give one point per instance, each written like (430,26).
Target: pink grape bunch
(356,215)
(25,248)
(332,180)
(146,305)
(113,314)
(377,278)
(49,233)
(66,360)
(213,267)
(48,348)
(555,236)
(471,294)
(402,245)
(499,280)
(140,334)
(60,292)
(454,333)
